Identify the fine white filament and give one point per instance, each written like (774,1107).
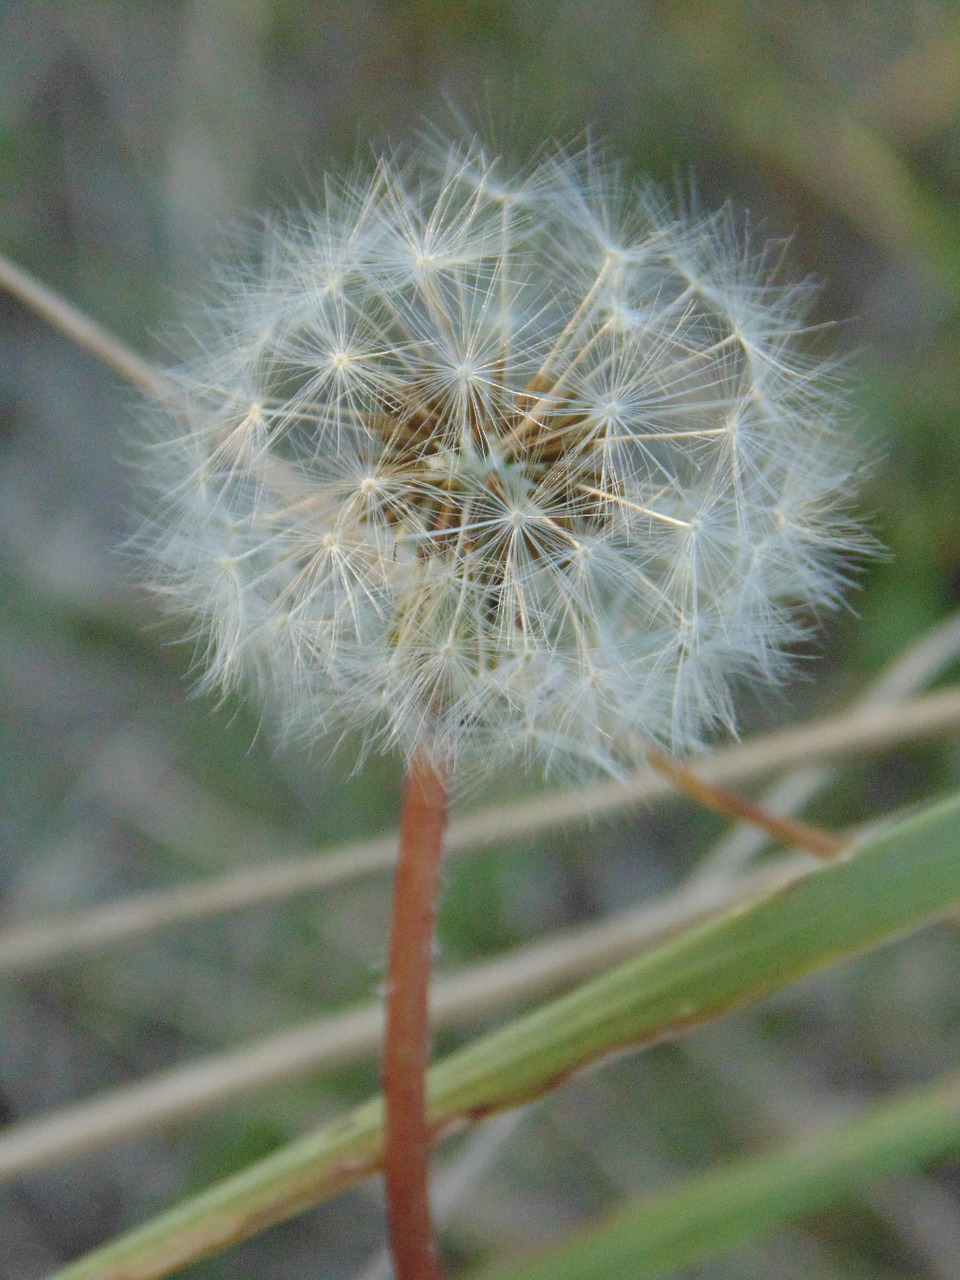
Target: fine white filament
(501,462)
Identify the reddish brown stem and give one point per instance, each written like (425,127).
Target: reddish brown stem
(406,1048)
(729,804)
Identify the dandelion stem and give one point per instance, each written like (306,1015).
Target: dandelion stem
(406,1042)
(788,831)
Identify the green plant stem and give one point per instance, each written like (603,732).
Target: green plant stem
(406,1045)
(900,880)
(713,1211)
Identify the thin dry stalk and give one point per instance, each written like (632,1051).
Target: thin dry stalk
(81,329)
(729,804)
(27,946)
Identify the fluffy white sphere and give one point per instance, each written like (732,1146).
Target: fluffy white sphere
(496,463)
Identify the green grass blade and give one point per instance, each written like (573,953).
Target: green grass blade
(716,1210)
(895,883)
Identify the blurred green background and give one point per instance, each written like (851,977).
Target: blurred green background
(133,136)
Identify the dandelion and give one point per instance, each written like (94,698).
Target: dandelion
(494,464)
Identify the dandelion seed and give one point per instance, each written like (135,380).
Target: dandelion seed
(521,464)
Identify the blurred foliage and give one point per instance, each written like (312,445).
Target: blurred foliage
(133,137)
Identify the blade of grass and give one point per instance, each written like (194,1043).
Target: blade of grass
(712,1212)
(540,969)
(897,882)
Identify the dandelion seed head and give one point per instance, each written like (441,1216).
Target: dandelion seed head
(502,464)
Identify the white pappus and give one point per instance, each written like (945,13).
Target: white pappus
(500,462)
